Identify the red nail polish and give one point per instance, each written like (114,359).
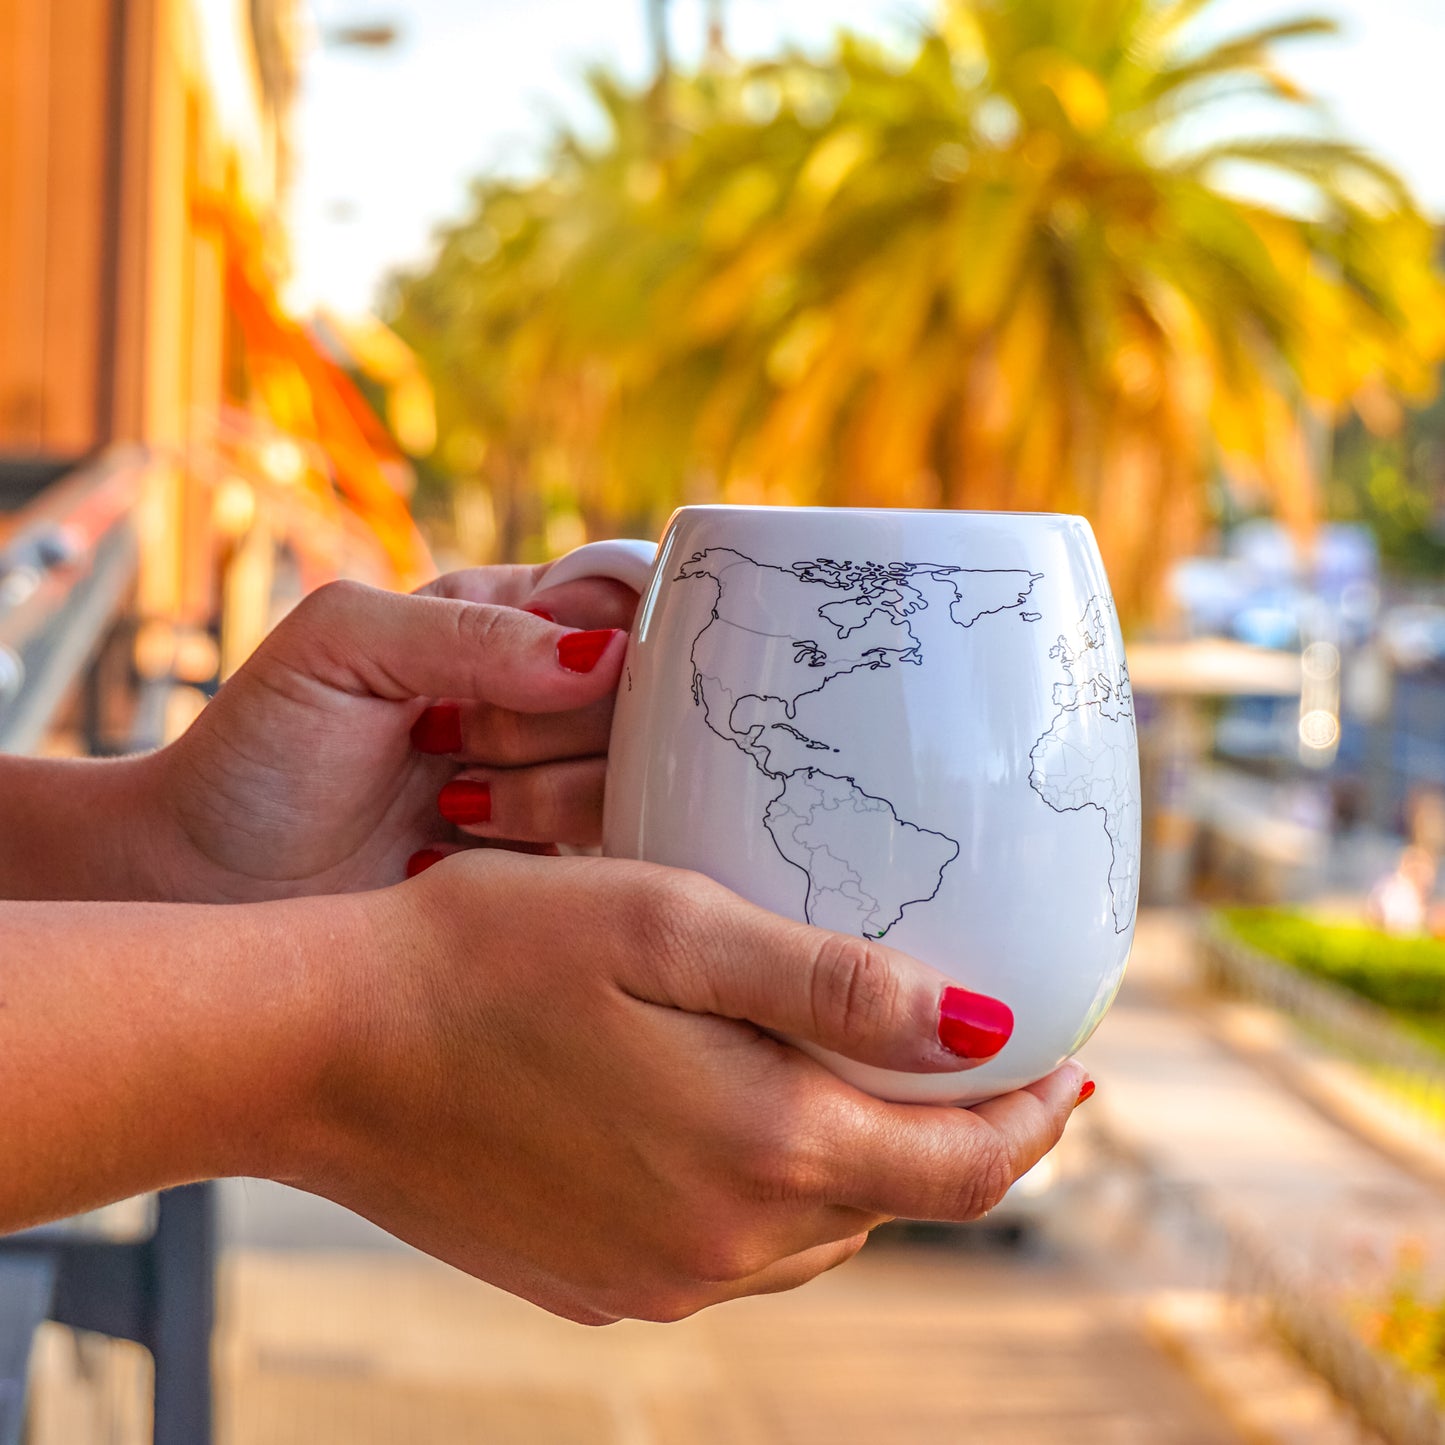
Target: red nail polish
(972,1025)
(540,612)
(420,862)
(438,729)
(581,651)
(464,800)
(1087,1092)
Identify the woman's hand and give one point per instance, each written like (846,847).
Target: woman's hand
(303,776)
(553,1073)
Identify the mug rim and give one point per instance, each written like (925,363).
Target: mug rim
(935,512)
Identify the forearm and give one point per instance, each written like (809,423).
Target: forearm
(81,829)
(147,1045)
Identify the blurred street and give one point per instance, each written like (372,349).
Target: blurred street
(913,1343)
(1242,1122)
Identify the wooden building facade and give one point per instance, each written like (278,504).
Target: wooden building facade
(143,167)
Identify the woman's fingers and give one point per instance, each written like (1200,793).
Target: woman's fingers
(370,643)
(429,857)
(785,1274)
(797,1269)
(853,996)
(487,734)
(435,853)
(588,603)
(506,586)
(553,803)
(919,1161)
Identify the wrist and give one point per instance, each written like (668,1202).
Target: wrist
(337,989)
(147,845)
(270,1007)
(146,1045)
(82,830)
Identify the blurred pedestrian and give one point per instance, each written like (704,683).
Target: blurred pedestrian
(1400,903)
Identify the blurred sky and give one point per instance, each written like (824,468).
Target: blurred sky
(388,140)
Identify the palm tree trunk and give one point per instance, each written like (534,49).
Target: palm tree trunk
(661,51)
(716,49)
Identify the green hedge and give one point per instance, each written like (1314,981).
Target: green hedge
(1401,973)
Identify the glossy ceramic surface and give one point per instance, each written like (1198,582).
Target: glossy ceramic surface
(915,726)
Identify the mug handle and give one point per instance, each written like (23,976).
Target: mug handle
(627,560)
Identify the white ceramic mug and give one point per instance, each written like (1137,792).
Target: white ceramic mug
(912,726)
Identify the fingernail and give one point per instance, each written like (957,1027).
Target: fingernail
(420,862)
(581,651)
(540,612)
(1087,1092)
(438,729)
(464,800)
(972,1025)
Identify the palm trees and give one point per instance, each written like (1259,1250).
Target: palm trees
(994,272)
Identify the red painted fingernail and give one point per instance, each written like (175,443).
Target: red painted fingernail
(972,1025)
(1087,1092)
(438,729)
(464,800)
(540,612)
(420,862)
(581,651)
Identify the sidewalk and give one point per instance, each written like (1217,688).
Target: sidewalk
(908,1345)
(1258,1156)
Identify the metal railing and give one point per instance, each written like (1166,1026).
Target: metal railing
(1400,1407)
(68,564)
(1352,1026)
(68,561)
(1247,1268)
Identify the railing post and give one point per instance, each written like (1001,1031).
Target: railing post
(25,1290)
(184,1304)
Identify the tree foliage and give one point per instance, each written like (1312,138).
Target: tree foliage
(1024,265)
(1395,484)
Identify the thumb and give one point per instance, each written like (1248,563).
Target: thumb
(366,641)
(849,995)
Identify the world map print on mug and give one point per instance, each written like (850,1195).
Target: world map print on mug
(864,863)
